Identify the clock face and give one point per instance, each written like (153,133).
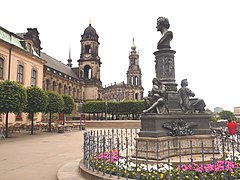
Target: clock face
(87,55)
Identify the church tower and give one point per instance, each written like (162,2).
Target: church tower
(89,64)
(134,75)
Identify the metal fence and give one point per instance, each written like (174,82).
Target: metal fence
(115,152)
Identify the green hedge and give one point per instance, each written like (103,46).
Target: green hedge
(124,107)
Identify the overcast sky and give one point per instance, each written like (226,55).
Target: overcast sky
(206,38)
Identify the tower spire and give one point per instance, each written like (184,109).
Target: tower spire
(69,58)
(133,46)
(69,53)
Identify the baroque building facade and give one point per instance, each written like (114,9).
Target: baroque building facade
(83,83)
(20,62)
(132,90)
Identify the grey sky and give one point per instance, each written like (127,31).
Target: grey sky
(206,38)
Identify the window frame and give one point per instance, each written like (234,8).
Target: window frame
(20,74)
(1,67)
(34,77)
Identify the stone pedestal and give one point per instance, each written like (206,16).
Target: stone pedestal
(152,124)
(165,68)
(175,146)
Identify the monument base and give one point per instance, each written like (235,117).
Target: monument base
(152,124)
(163,148)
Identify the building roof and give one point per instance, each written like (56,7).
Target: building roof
(10,38)
(14,39)
(58,65)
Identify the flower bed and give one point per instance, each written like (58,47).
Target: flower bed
(110,162)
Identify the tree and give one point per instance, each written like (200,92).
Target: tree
(68,104)
(36,102)
(13,99)
(55,105)
(226,115)
(115,108)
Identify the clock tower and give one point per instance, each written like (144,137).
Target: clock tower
(89,64)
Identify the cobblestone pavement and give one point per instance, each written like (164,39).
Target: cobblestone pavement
(39,156)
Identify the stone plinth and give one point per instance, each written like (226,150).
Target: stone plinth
(165,68)
(152,124)
(174,146)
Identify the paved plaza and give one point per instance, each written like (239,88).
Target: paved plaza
(38,156)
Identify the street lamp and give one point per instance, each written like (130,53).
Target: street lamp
(106,109)
(80,106)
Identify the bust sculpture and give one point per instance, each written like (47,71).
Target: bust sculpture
(187,104)
(163,26)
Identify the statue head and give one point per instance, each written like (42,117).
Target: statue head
(155,81)
(162,24)
(184,82)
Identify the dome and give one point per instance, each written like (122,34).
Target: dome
(90,33)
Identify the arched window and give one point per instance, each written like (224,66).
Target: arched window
(69,90)
(1,68)
(59,88)
(20,74)
(54,85)
(46,87)
(74,93)
(87,49)
(65,89)
(87,72)
(136,96)
(136,81)
(132,81)
(34,78)
(78,94)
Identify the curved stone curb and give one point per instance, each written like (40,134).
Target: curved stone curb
(70,171)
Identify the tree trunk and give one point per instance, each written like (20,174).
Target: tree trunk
(6,132)
(49,123)
(32,127)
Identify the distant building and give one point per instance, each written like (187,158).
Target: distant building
(22,60)
(236,112)
(218,109)
(83,83)
(132,90)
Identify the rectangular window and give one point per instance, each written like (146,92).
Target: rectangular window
(34,78)
(20,74)
(1,68)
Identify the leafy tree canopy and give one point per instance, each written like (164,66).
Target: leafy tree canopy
(68,104)
(55,102)
(37,100)
(13,97)
(226,115)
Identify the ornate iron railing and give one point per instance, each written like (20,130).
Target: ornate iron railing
(115,152)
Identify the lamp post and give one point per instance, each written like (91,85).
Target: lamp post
(80,110)
(106,109)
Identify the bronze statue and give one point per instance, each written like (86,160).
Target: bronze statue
(187,104)
(156,101)
(163,26)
